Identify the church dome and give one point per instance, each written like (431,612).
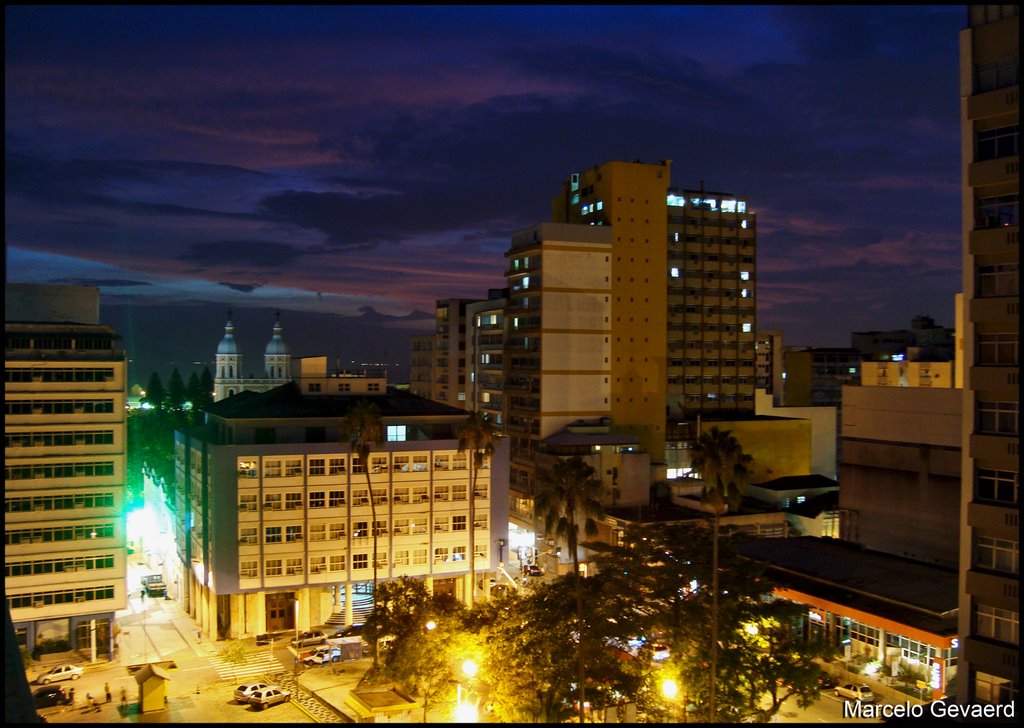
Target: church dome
(276,345)
(227,345)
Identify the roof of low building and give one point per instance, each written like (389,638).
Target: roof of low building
(564,438)
(906,591)
(288,401)
(798,482)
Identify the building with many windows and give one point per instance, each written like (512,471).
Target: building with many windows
(64,470)
(990,498)
(275,521)
(682,282)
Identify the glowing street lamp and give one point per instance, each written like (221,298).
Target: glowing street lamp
(465,712)
(669,688)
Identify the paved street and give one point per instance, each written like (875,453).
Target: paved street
(201,685)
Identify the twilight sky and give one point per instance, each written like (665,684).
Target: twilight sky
(362,161)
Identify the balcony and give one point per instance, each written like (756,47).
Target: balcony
(995,379)
(993,241)
(992,103)
(993,171)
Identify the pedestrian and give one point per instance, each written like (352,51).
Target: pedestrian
(106,689)
(71,696)
(124,697)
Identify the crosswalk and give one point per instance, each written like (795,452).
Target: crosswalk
(256,663)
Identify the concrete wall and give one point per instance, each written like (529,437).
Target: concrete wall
(900,474)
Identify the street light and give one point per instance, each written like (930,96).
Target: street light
(465,712)
(670,689)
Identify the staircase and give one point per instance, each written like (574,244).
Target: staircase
(362,606)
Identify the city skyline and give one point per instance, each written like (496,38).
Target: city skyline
(365,162)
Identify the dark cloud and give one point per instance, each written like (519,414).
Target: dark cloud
(393,151)
(246,253)
(100,282)
(241,287)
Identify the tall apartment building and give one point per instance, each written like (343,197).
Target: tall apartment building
(990,500)
(64,470)
(557,366)
(485,356)
(273,517)
(769,361)
(683,277)
(421,365)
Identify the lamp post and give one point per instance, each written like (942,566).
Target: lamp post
(465,712)
(501,551)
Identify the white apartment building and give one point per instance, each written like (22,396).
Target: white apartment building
(274,523)
(64,470)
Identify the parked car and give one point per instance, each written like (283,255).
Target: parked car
(533,570)
(826,681)
(352,633)
(153,585)
(309,638)
(266,697)
(242,692)
(323,654)
(660,652)
(60,672)
(50,696)
(855,692)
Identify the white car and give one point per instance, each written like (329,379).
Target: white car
(242,692)
(323,654)
(266,697)
(60,672)
(855,692)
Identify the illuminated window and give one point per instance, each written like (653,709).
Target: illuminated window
(743,224)
(273,567)
(747,327)
(744,275)
(674,272)
(396,433)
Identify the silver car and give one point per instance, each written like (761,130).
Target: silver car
(242,692)
(855,692)
(266,697)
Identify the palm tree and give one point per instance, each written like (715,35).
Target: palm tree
(362,428)
(569,496)
(725,469)
(477,435)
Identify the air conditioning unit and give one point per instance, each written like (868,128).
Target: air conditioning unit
(37,604)
(79,600)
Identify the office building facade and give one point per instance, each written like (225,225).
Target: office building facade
(64,470)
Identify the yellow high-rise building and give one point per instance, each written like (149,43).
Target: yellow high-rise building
(682,297)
